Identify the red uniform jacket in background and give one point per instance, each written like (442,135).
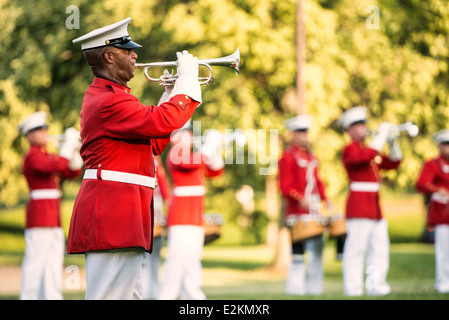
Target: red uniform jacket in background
(44,171)
(187,210)
(293,178)
(120,134)
(434,175)
(363,164)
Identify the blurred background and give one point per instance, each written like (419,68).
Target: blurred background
(396,65)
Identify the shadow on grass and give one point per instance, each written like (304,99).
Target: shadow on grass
(236,265)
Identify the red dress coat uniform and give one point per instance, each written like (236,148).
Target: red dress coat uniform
(187,209)
(120,134)
(363,164)
(293,178)
(434,175)
(162,182)
(43,172)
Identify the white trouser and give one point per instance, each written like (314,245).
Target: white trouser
(182,268)
(42,264)
(442,258)
(150,270)
(305,272)
(366,238)
(114,274)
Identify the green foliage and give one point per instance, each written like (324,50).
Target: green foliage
(399,71)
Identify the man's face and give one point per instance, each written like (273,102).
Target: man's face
(444,150)
(358,132)
(37,137)
(300,138)
(124,63)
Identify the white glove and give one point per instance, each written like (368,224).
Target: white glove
(217,162)
(76,163)
(395,150)
(212,144)
(168,90)
(187,82)
(378,142)
(70,143)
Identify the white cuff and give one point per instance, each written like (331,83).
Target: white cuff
(66,151)
(395,151)
(189,86)
(76,162)
(164,98)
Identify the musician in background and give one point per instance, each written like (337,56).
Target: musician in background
(367,230)
(44,237)
(303,191)
(112,220)
(185,238)
(151,265)
(433,181)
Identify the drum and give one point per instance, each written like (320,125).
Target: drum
(212,226)
(305,226)
(159,226)
(336,225)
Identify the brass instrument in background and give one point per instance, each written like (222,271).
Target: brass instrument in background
(232,61)
(57,139)
(409,127)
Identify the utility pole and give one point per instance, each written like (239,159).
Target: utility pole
(282,254)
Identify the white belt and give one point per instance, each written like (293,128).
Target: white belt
(40,194)
(125,177)
(189,191)
(362,186)
(438,197)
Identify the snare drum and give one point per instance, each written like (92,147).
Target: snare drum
(212,226)
(336,225)
(305,226)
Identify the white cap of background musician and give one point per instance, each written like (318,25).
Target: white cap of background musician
(115,35)
(34,121)
(352,116)
(441,136)
(298,123)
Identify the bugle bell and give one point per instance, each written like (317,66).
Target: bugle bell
(232,61)
(409,127)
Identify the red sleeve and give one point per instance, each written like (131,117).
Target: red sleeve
(320,185)
(388,164)
(43,163)
(213,173)
(125,117)
(426,177)
(355,155)
(286,178)
(162,182)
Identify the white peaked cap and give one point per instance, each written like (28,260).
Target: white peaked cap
(33,121)
(351,116)
(301,122)
(115,35)
(441,136)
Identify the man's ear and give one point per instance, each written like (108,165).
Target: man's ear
(108,56)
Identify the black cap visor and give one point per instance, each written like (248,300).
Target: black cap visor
(123,43)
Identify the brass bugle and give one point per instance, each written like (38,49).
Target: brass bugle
(232,61)
(57,139)
(409,127)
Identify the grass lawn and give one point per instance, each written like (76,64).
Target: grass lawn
(233,272)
